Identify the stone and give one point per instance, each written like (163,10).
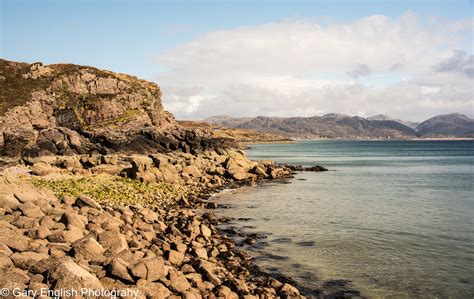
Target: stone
(30,210)
(88,249)
(5,262)
(289,290)
(153,290)
(113,241)
(175,257)
(86,201)
(201,253)
(69,275)
(9,202)
(24,260)
(226,292)
(13,237)
(42,169)
(118,267)
(39,233)
(11,278)
(179,283)
(205,231)
(151,269)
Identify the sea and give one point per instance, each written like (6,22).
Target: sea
(390,219)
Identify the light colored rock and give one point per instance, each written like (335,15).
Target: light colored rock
(113,241)
(151,269)
(118,267)
(179,283)
(153,290)
(69,275)
(289,290)
(12,237)
(175,257)
(88,249)
(86,201)
(31,210)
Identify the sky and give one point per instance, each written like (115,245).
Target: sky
(408,59)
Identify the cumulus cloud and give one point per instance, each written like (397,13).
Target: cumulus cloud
(360,70)
(460,62)
(373,65)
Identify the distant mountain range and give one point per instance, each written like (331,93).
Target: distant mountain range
(336,125)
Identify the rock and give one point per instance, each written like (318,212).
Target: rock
(118,267)
(69,275)
(9,202)
(175,257)
(225,292)
(201,253)
(24,260)
(316,168)
(12,278)
(113,241)
(151,269)
(39,233)
(289,290)
(205,231)
(86,201)
(153,289)
(179,283)
(88,249)
(5,262)
(41,169)
(191,171)
(12,237)
(30,210)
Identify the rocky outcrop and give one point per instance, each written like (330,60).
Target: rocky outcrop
(68,109)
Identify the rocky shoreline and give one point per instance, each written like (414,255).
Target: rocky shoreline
(99,188)
(160,247)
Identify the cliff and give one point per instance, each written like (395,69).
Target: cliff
(66,109)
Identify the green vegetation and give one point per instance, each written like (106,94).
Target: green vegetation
(112,189)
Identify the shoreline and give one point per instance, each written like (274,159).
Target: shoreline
(194,256)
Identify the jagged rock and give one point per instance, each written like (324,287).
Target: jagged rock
(113,241)
(179,283)
(226,292)
(89,249)
(5,262)
(151,269)
(289,290)
(12,237)
(175,257)
(153,289)
(26,259)
(9,202)
(11,278)
(31,210)
(69,275)
(118,267)
(86,201)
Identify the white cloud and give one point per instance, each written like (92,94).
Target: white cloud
(373,65)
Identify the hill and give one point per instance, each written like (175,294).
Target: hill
(328,126)
(454,124)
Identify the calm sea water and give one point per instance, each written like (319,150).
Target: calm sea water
(395,218)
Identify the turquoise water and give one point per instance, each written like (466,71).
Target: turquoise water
(395,218)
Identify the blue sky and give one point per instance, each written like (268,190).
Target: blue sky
(163,41)
(125,36)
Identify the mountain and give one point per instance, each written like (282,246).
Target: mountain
(328,126)
(454,124)
(335,125)
(410,124)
